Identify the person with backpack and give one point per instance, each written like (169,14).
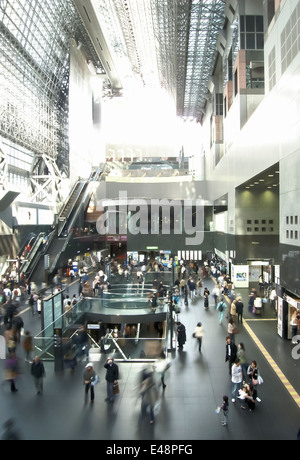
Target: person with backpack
(221,307)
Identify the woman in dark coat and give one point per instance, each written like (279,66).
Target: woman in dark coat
(181,335)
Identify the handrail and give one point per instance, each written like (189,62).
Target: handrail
(54,263)
(33,252)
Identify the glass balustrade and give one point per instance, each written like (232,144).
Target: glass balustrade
(130,301)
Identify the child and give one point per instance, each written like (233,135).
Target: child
(224,409)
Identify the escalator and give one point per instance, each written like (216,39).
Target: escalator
(49,258)
(7,264)
(29,264)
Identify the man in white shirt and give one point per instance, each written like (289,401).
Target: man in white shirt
(236,378)
(273,297)
(258,305)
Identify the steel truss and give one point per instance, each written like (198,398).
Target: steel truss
(3,167)
(34,79)
(170,44)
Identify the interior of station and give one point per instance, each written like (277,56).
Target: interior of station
(144,145)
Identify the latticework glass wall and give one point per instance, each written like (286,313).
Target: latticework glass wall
(34,77)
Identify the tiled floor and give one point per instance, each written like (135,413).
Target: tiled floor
(195,386)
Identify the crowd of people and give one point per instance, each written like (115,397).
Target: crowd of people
(244,375)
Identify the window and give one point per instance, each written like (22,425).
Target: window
(290,45)
(272,68)
(235,83)
(252,32)
(219,104)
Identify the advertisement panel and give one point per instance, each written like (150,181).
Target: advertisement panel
(240,275)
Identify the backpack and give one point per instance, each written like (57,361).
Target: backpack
(221,306)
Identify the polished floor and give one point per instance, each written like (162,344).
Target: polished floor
(195,386)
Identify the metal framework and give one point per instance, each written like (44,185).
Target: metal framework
(206,19)
(3,167)
(34,79)
(170,44)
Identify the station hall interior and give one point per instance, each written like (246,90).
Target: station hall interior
(147,135)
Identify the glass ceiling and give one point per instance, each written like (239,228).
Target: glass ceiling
(169,44)
(165,44)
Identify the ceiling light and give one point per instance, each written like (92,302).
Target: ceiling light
(261,180)
(270,175)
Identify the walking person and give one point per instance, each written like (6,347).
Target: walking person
(17,325)
(221,307)
(216,294)
(239,310)
(10,432)
(198,334)
(224,409)
(233,311)
(230,353)
(162,366)
(10,339)
(31,304)
(199,287)
(253,376)
(231,329)
(273,298)
(148,393)
(27,345)
(89,377)
(236,378)
(241,355)
(11,371)
(206,298)
(39,306)
(294,325)
(38,374)
(112,376)
(181,335)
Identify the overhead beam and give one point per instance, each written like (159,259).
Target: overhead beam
(91,23)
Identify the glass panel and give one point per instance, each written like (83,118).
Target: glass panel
(259,41)
(242,22)
(250,24)
(250,41)
(242,41)
(259,24)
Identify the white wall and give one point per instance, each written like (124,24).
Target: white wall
(86,140)
(271,135)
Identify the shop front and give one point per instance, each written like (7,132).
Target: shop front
(287,306)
